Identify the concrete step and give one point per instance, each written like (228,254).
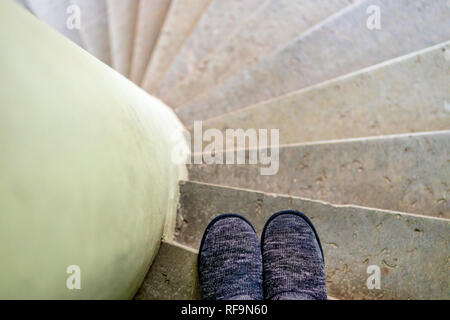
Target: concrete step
(94,28)
(220,21)
(172,276)
(274,26)
(150,18)
(122,22)
(182,18)
(408,173)
(411,251)
(54,13)
(407,94)
(337,46)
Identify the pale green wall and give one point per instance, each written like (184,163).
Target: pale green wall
(85,171)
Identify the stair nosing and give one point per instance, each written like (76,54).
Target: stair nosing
(328,82)
(337,141)
(176,244)
(355,206)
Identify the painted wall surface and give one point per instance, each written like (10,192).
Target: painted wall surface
(86,176)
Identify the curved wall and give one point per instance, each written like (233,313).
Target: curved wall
(86,176)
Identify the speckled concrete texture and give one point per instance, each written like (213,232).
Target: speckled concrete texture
(409,173)
(181,20)
(173,275)
(411,251)
(274,26)
(122,22)
(150,19)
(410,94)
(221,20)
(337,46)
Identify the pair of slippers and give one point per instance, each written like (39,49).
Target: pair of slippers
(287,265)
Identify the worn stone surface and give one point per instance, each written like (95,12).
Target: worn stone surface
(122,22)
(278,23)
(94,28)
(411,251)
(54,14)
(337,46)
(220,20)
(151,16)
(409,173)
(409,94)
(182,18)
(172,276)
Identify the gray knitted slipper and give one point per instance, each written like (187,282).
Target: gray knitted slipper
(229,260)
(293,262)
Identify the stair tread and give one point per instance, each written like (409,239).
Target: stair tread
(181,20)
(349,44)
(405,172)
(173,275)
(411,250)
(371,102)
(275,25)
(122,23)
(220,21)
(150,18)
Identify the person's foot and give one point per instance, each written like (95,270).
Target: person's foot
(293,263)
(229,261)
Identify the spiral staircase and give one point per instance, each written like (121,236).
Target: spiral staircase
(363,113)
